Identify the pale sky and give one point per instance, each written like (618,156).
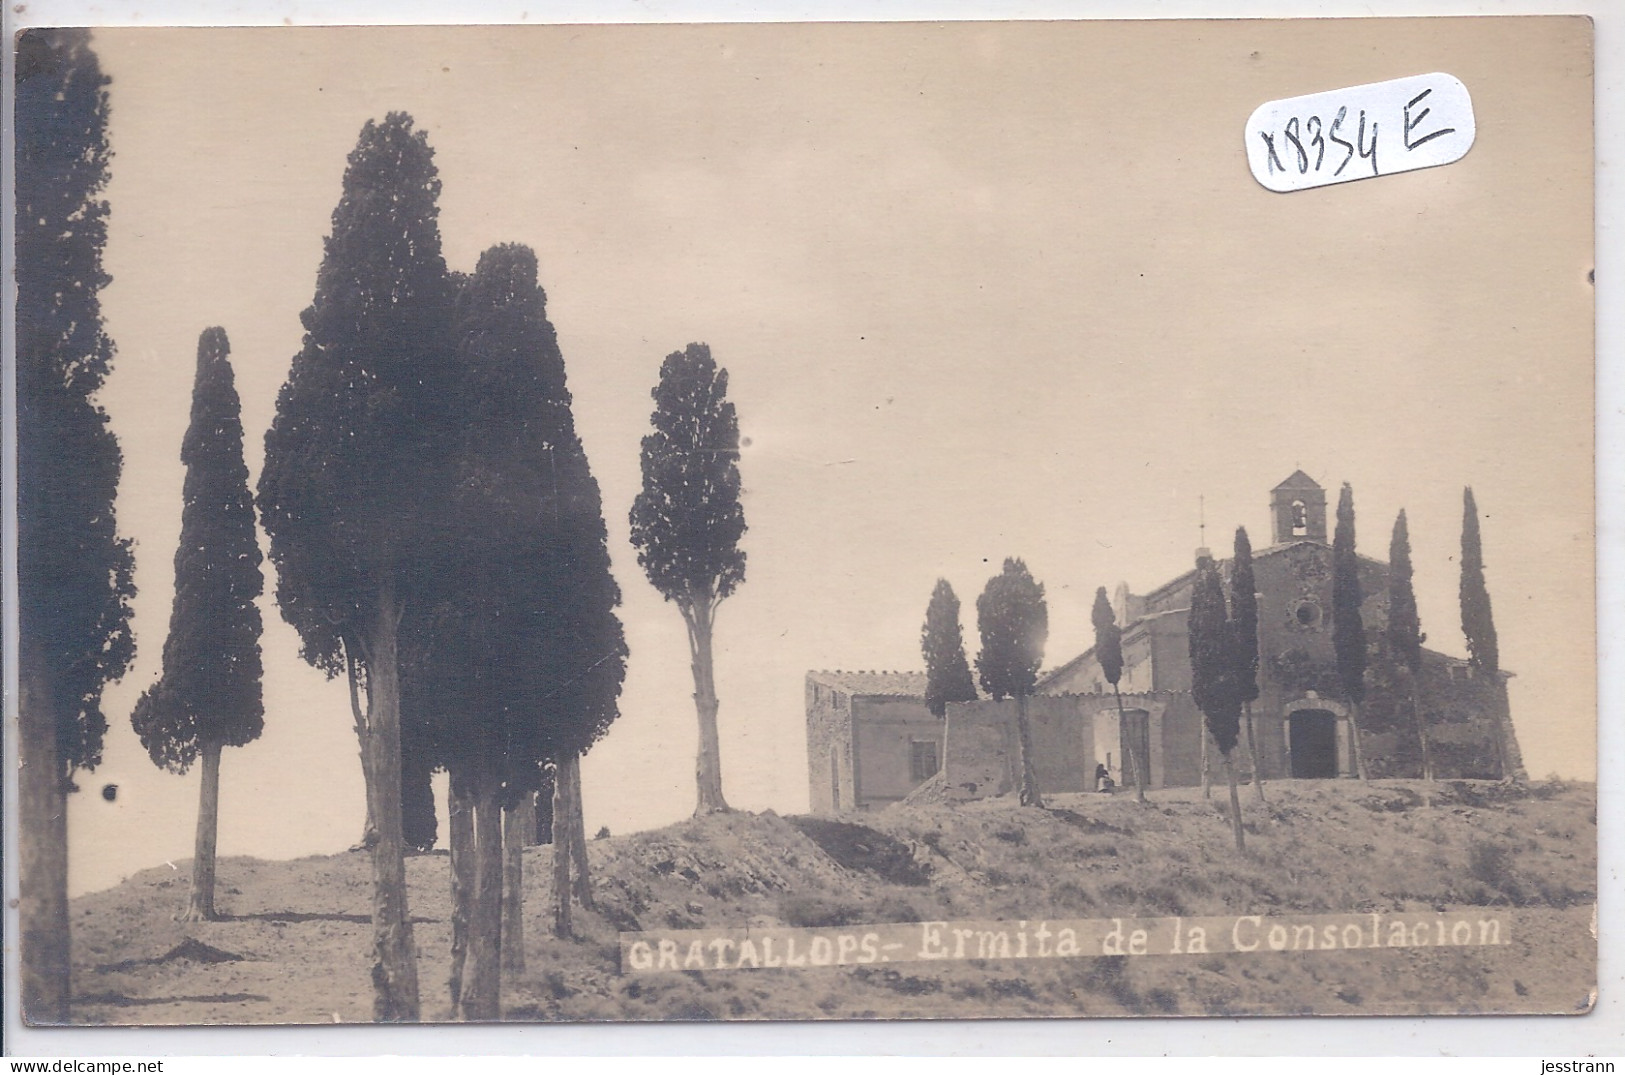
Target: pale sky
(982,289)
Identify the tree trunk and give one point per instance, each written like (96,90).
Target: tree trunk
(482,987)
(561,854)
(1507,755)
(369,831)
(460,822)
(1207,765)
(708,765)
(1427,751)
(1496,741)
(542,811)
(200,907)
(1252,751)
(1235,802)
(42,833)
(1031,794)
(1354,736)
(518,823)
(394,969)
(1131,740)
(581,883)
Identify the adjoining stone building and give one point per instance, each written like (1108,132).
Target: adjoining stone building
(871,739)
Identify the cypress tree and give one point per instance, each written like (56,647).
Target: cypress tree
(209,695)
(687,522)
(1348,629)
(1244,612)
(947,673)
(1478,625)
(521,655)
(1404,631)
(570,649)
(1109,652)
(74,573)
(1477,621)
(1215,686)
(1013,620)
(356,482)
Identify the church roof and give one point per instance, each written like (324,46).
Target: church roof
(888,684)
(1186,579)
(1298,480)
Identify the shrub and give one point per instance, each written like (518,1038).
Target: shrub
(1109,975)
(895,909)
(1492,864)
(818,912)
(1071,896)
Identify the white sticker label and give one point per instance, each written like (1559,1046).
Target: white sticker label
(1363,131)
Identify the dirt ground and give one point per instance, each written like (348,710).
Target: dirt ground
(294,947)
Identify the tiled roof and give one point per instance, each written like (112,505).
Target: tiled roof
(1046,678)
(896,684)
(1258,554)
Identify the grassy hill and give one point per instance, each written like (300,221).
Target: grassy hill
(296,945)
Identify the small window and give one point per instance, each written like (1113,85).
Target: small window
(922,761)
(1300,519)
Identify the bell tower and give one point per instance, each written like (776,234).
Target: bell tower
(1298,509)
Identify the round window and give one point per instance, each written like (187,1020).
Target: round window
(1307,613)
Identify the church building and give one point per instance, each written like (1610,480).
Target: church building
(1302,723)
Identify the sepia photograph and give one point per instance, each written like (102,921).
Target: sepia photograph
(804,521)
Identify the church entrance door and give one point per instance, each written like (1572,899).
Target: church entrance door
(1312,738)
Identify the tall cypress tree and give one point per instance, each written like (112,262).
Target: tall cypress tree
(1109,652)
(357,483)
(1477,621)
(1013,620)
(1404,631)
(209,695)
(519,653)
(569,650)
(1348,629)
(1215,686)
(1244,613)
(1478,624)
(942,643)
(687,522)
(74,573)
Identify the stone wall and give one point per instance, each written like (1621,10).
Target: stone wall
(829,749)
(884,730)
(858,747)
(981,749)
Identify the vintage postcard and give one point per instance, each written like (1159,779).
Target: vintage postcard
(805,521)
